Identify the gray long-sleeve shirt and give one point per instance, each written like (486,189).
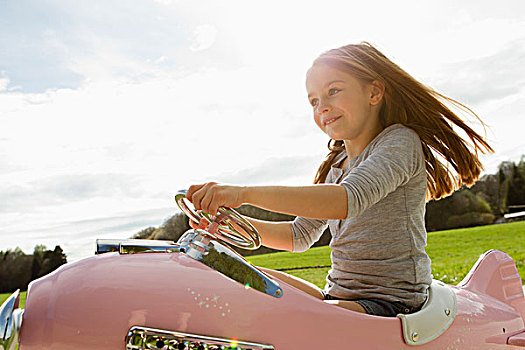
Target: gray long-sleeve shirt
(378,251)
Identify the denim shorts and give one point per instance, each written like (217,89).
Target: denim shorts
(379,307)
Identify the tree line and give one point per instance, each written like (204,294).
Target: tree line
(484,203)
(18,269)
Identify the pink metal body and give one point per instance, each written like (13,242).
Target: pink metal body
(91,304)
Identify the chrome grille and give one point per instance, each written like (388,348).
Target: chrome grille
(141,338)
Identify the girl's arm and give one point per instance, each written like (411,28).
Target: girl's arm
(323,201)
(276,235)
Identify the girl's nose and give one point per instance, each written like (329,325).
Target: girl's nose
(323,107)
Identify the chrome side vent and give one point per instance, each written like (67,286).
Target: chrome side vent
(142,338)
(10,322)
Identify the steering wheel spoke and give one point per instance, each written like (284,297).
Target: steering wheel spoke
(245,237)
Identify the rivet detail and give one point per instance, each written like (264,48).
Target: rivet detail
(447,311)
(415,336)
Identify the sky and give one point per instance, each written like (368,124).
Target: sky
(108,108)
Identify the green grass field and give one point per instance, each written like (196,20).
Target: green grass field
(452,252)
(4,296)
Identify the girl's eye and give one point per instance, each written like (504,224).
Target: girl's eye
(333,91)
(314,102)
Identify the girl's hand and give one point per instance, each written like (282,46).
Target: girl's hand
(210,196)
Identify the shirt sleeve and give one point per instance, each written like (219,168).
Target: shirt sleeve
(392,162)
(306,232)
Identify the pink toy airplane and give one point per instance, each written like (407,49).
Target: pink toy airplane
(200,294)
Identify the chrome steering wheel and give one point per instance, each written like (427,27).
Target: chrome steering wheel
(222,226)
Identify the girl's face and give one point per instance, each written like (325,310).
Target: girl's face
(344,107)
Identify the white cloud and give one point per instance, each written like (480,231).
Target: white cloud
(480,79)
(3,84)
(203,37)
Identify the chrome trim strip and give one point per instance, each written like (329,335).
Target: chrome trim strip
(133,246)
(148,246)
(107,245)
(141,338)
(10,322)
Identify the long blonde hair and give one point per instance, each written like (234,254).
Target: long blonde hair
(408,102)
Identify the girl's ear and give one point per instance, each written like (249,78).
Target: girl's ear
(377,91)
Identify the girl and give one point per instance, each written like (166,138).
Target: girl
(386,132)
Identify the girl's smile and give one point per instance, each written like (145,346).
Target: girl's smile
(330,120)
